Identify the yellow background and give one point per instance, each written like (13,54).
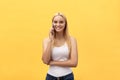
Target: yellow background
(25,23)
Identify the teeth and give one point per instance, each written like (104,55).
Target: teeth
(58,28)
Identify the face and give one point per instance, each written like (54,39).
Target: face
(59,23)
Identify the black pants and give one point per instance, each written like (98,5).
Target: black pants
(67,77)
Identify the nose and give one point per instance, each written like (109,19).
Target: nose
(57,24)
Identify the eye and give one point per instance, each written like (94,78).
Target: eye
(61,22)
(55,21)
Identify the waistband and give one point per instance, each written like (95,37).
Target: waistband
(61,76)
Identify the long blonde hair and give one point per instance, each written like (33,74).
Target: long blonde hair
(65,33)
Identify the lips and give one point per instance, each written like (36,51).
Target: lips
(58,28)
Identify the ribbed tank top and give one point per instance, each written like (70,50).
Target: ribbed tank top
(60,54)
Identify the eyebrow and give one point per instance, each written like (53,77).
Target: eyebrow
(59,20)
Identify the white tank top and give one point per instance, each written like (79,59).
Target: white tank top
(60,54)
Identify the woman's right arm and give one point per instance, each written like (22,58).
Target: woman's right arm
(47,46)
(46,57)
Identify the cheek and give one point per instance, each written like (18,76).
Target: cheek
(63,25)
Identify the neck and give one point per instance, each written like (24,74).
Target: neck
(59,36)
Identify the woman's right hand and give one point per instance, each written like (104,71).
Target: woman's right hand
(51,34)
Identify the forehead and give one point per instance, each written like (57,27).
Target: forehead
(60,18)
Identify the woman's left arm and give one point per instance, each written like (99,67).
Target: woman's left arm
(73,60)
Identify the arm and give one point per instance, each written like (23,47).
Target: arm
(46,57)
(73,60)
(47,45)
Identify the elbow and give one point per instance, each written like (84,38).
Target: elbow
(45,61)
(74,64)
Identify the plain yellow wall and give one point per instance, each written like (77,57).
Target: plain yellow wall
(25,23)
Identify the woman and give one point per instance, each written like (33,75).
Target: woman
(60,50)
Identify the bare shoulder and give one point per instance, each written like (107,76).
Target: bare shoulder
(46,40)
(45,43)
(73,39)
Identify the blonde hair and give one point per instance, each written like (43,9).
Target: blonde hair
(65,34)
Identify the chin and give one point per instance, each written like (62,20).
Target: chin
(59,30)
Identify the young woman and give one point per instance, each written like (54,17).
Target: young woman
(60,50)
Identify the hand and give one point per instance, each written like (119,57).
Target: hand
(51,34)
(51,63)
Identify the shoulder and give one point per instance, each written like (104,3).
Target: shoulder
(45,40)
(73,39)
(73,45)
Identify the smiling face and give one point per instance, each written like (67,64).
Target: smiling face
(59,23)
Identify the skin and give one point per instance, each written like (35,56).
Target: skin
(59,25)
